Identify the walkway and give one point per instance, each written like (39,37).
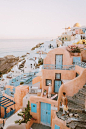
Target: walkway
(39,126)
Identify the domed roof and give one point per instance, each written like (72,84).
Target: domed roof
(69,27)
(76,25)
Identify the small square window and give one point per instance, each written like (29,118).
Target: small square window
(58,76)
(48,81)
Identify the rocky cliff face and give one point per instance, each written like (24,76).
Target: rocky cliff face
(7,63)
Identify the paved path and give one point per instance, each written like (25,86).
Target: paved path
(39,126)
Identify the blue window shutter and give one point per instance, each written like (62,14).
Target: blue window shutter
(33,107)
(57,127)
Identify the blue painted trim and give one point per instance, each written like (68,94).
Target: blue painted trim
(34,107)
(10,105)
(6,101)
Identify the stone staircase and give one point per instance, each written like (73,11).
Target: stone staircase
(78,100)
(76,105)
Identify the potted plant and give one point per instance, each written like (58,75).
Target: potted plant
(44,92)
(74,50)
(25,115)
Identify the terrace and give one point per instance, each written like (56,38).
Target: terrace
(65,67)
(25,78)
(9,92)
(59,67)
(6,103)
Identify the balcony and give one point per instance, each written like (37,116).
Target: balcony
(59,67)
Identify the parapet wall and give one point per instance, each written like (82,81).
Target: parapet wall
(73,86)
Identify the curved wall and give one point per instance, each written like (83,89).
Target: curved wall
(73,86)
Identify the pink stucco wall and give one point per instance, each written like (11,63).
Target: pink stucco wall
(50,58)
(37,100)
(59,122)
(37,79)
(83,54)
(20,92)
(54,118)
(50,74)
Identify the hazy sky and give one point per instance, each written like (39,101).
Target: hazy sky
(39,18)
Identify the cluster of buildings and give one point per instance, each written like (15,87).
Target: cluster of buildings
(60,72)
(75,34)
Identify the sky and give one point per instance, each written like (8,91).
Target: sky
(25,19)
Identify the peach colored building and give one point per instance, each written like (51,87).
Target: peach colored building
(20,92)
(66,73)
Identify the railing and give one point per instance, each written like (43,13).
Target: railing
(10,93)
(26,77)
(9,114)
(81,64)
(59,67)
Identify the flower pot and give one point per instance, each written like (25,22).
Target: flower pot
(76,54)
(72,54)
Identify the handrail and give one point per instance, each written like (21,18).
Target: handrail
(81,64)
(59,67)
(9,114)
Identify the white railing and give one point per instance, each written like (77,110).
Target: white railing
(59,67)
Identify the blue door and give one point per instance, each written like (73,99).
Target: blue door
(76,59)
(59,61)
(46,113)
(57,127)
(57,85)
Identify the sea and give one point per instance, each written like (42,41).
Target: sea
(18,47)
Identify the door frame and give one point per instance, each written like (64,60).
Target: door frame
(57,80)
(54,84)
(55,76)
(55,58)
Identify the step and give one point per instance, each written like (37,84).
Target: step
(76,106)
(77,101)
(79,96)
(82,91)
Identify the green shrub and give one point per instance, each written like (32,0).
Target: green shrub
(25,115)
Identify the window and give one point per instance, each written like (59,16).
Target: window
(77,74)
(48,81)
(34,107)
(58,76)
